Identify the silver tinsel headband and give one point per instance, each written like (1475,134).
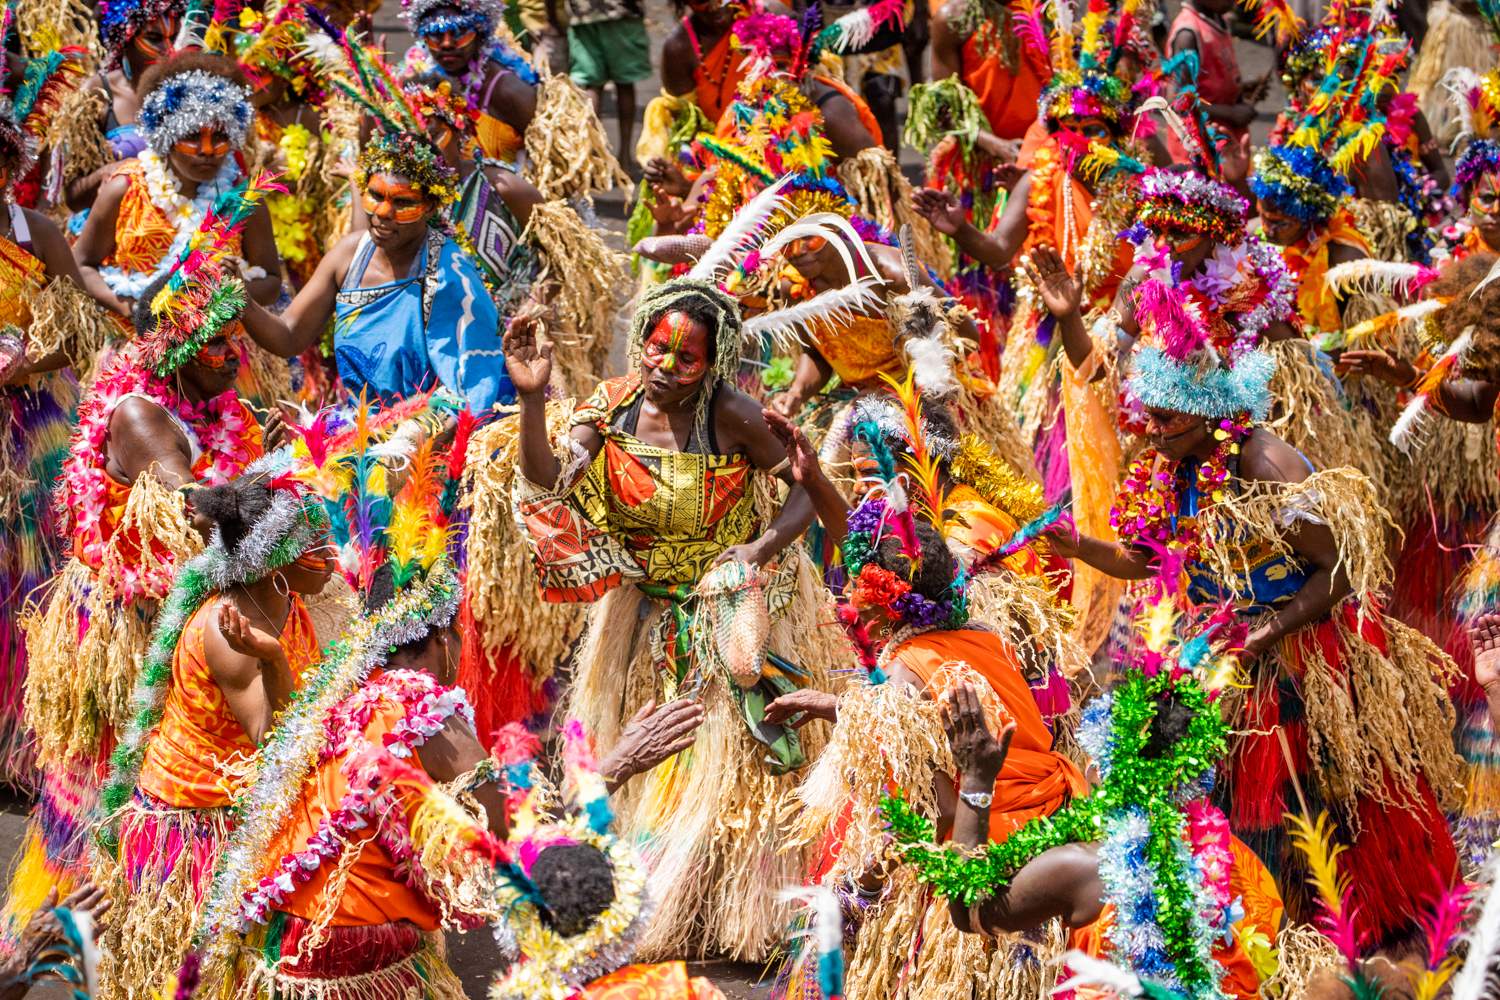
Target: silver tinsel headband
(183,104)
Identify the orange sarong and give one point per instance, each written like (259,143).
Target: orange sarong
(662,981)
(1036,780)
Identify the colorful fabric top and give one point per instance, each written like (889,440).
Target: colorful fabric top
(1308,261)
(1035,780)
(718,74)
(859,349)
(147,238)
(185,764)
(437,325)
(337,812)
(675,511)
(22,275)
(1218,72)
(1267,578)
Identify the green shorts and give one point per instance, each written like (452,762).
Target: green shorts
(609,52)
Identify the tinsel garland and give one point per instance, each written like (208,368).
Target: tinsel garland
(286,530)
(187,102)
(1137,812)
(288,754)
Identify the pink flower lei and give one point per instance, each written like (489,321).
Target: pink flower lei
(428,707)
(221,425)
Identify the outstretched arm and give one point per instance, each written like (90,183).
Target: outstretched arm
(742,423)
(805,469)
(297,329)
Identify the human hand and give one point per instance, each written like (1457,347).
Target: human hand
(750,553)
(651,736)
(126,307)
(1234,158)
(801,456)
(246,639)
(276,432)
(1379,365)
(940,208)
(1260,639)
(1484,633)
(977,754)
(666,178)
(786,404)
(1060,293)
(528,361)
(806,704)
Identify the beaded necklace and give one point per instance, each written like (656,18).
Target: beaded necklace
(1147,507)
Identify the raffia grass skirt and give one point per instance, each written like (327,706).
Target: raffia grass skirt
(394,961)
(166,858)
(713,821)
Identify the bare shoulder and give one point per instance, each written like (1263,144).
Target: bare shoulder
(1264,457)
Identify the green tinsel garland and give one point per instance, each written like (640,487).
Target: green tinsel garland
(225,304)
(1132,783)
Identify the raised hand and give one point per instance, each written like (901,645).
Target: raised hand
(527,360)
(801,456)
(1484,633)
(246,639)
(1378,365)
(1060,293)
(666,178)
(977,754)
(941,208)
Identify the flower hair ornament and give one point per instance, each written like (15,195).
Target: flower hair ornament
(1163,856)
(186,102)
(549,962)
(903,490)
(294,523)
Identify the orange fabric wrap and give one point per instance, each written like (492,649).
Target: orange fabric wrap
(198,734)
(858,349)
(972,521)
(1036,780)
(663,981)
(1007,99)
(866,116)
(372,894)
(1308,262)
(143,235)
(717,76)
(498,139)
(22,275)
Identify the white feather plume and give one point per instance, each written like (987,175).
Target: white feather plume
(1460,82)
(831,226)
(827,927)
(1491,276)
(1090,971)
(932,366)
(1367,275)
(855,29)
(1484,942)
(790,325)
(1410,421)
(742,233)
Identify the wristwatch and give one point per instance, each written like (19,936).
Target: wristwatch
(979,800)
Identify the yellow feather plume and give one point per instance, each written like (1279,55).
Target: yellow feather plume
(919,459)
(1315,841)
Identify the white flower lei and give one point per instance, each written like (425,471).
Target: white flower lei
(183,213)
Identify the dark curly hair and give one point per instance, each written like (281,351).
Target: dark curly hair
(576,883)
(1456,282)
(1168,727)
(234,507)
(934,578)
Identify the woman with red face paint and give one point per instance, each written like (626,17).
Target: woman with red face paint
(231,645)
(136,35)
(196,113)
(1301,553)
(650,498)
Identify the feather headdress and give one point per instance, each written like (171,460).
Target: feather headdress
(203,293)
